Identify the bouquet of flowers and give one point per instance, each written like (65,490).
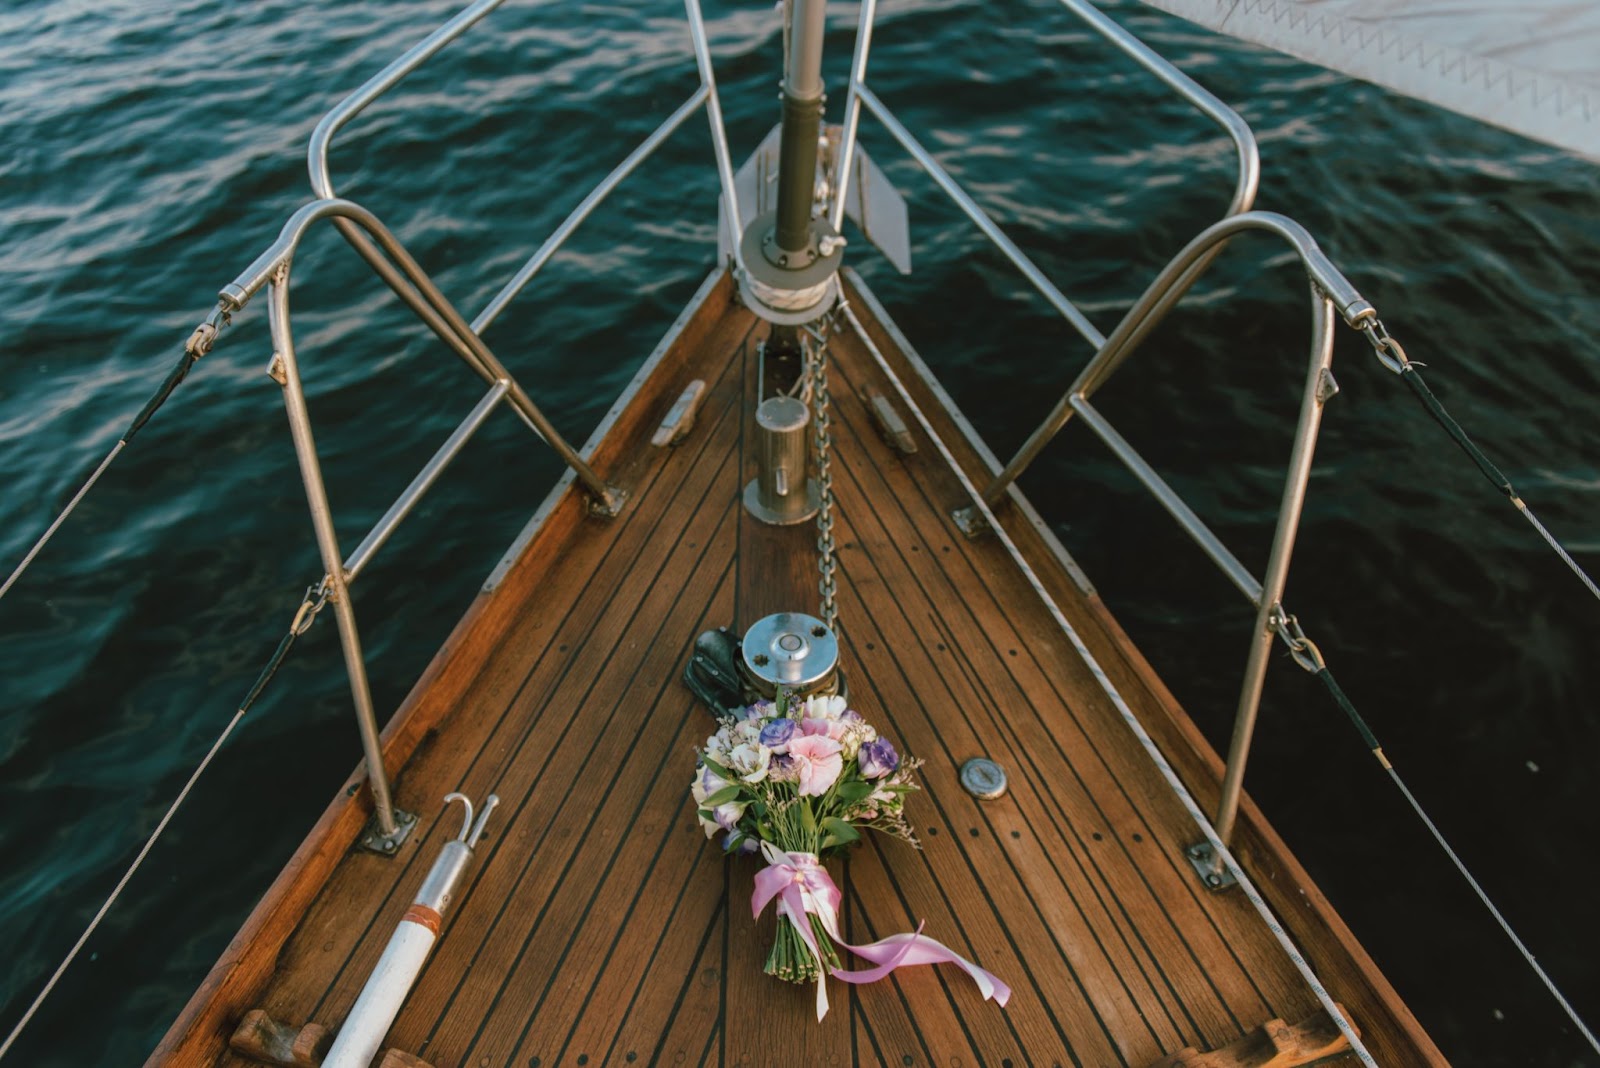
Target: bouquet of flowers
(798,780)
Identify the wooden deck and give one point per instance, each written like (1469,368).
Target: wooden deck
(597,925)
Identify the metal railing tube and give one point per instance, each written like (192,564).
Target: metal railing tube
(554,242)
(412,299)
(424,480)
(328,547)
(1244,140)
(981,218)
(1246,185)
(238,292)
(1170,285)
(852,111)
(719,135)
(380,83)
(282,253)
(351,106)
(1196,528)
(1294,495)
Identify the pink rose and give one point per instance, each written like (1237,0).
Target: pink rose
(821,727)
(818,762)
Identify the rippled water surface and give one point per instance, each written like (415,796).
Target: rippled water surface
(151,150)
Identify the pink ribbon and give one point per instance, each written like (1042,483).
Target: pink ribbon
(803,888)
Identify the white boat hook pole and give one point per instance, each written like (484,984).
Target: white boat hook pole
(408,947)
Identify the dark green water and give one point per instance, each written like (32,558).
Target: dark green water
(152,150)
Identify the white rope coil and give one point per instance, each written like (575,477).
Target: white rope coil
(788,300)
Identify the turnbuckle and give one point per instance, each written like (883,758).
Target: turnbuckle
(1301,648)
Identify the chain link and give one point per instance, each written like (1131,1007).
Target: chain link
(815,344)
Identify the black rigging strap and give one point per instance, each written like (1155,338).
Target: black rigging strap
(1309,657)
(199,343)
(316,597)
(1394,358)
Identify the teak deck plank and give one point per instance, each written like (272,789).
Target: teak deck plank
(597,925)
(328,926)
(938,585)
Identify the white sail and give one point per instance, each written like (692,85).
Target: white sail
(1530,66)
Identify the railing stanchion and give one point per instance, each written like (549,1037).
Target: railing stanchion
(389,826)
(852,111)
(1318,388)
(719,134)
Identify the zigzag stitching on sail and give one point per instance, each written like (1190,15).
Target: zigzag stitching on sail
(1559,98)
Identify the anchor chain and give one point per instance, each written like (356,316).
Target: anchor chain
(815,342)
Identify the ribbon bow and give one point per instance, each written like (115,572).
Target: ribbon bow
(802,887)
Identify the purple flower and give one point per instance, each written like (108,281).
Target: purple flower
(710,781)
(727,814)
(775,735)
(850,715)
(741,844)
(782,768)
(878,759)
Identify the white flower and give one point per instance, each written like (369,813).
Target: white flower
(718,744)
(822,707)
(750,761)
(856,734)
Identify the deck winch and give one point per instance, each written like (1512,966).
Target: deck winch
(792,650)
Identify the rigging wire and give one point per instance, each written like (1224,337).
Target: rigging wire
(1309,657)
(199,343)
(316,597)
(1393,357)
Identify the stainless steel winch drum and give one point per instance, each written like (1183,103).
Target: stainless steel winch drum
(792,650)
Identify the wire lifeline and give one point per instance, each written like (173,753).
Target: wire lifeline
(1335,1013)
(316,597)
(1371,740)
(199,343)
(1409,375)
